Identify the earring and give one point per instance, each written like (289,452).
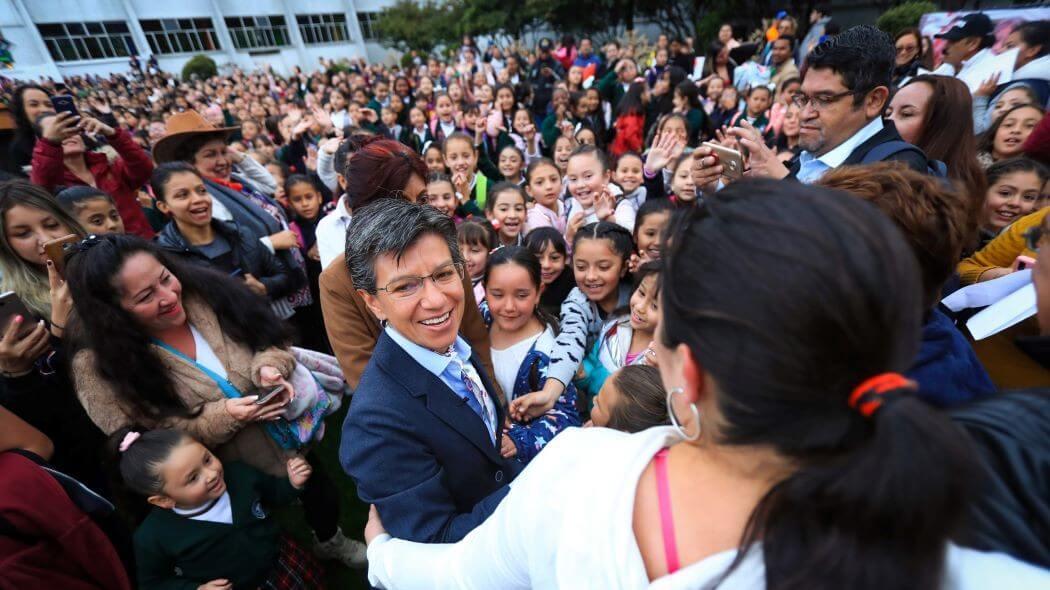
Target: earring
(674,419)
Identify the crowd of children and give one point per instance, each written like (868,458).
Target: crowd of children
(561,203)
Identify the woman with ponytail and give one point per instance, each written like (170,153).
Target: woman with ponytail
(798,457)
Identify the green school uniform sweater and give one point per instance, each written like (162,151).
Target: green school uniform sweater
(177,553)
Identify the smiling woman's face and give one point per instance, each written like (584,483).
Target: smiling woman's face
(429,317)
(150,293)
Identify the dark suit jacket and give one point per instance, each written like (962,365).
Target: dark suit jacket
(418,452)
(914,160)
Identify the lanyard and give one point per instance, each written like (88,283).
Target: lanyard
(228,389)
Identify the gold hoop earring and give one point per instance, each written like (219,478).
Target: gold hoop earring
(674,419)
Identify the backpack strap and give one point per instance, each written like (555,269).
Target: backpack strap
(885,150)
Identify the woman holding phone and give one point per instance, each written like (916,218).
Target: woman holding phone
(36,385)
(205,349)
(61,158)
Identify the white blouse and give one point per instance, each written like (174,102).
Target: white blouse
(538,539)
(507,362)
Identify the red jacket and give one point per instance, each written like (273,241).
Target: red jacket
(120,179)
(58,546)
(629,131)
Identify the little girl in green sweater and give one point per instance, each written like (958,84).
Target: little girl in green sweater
(212,525)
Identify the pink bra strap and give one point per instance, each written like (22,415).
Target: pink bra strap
(663,492)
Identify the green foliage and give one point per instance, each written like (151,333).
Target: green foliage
(201,65)
(904,16)
(421,26)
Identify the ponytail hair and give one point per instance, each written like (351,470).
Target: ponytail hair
(139,455)
(875,492)
(622,242)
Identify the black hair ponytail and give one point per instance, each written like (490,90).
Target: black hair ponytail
(790,297)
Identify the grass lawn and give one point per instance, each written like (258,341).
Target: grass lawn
(352,512)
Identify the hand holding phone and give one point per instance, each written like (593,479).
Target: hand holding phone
(264,398)
(731,160)
(65,103)
(55,250)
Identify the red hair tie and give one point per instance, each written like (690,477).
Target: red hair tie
(866,398)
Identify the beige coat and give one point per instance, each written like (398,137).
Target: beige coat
(212,426)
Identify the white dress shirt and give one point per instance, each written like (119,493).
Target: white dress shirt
(811,168)
(331,233)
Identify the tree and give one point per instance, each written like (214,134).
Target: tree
(421,26)
(202,66)
(904,16)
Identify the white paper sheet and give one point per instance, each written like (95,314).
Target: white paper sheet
(1003,64)
(988,292)
(1011,310)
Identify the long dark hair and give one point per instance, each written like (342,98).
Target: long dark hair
(24,128)
(986,141)
(947,133)
(632,102)
(872,500)
(523,257)
(122,349)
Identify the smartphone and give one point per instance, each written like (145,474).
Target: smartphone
(10,306)
(732,161)
(265,397)
(56,251)
(64,103)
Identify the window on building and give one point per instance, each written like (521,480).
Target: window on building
(87,40)
(182,35)
(318,29)
(367,21)
(258,32)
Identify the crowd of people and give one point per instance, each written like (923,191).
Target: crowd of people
(633,316)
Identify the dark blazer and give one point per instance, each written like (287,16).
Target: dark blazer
(915,160)
(419,453)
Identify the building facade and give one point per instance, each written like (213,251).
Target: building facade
(70,37)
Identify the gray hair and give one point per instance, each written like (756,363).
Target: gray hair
(392,226)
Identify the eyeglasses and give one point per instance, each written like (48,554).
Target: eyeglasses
(819,102)
(906,49)
(1033,236)
(406,287)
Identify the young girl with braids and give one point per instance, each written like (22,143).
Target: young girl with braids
(600,255)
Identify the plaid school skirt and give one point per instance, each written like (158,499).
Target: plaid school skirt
(296,569)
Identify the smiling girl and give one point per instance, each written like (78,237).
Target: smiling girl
(556,281)
(522,342)
(476,239)
(192,491)
(441,195)
(624,340)
(599,264)
(461,157)
(505,209)
(1014,187)
(593,197)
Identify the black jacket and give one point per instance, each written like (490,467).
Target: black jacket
(250,257)
(914,159)
(1011,513)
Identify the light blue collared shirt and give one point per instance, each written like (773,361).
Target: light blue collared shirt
(443,366)
(811,168)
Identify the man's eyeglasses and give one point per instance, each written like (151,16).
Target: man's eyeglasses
(406,287)
(1034,236)
(819,102)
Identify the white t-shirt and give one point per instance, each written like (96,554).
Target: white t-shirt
(591,545)
(205,355)
(331,233)
(507,362)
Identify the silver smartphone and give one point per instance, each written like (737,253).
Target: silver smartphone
(269,395)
